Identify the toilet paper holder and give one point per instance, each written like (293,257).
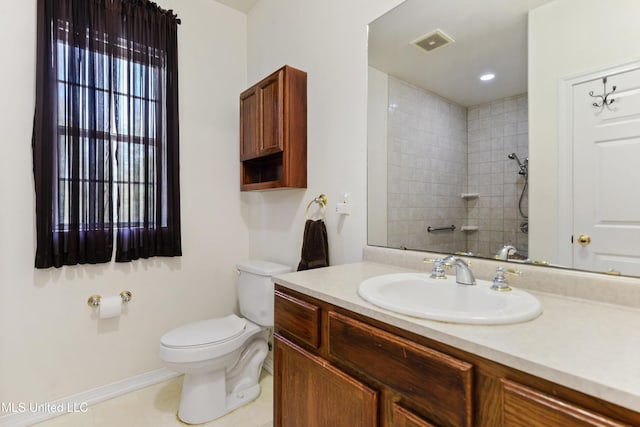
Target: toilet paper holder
(94,300)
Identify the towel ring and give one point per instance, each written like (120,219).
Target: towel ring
(322,201)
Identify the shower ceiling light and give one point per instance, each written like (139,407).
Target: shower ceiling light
(487,76)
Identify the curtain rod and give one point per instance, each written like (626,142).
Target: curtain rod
(151,4)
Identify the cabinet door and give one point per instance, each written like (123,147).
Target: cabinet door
(310,392)
(249,124)
(271,114)
(526,407)
(405,418)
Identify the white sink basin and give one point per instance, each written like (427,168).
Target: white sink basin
(418,295)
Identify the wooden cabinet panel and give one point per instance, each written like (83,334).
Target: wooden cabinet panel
(297,319)
(435,381)
(404,418)
(250,132)
(272,110)
(318,394)
(273,132)
(526,407)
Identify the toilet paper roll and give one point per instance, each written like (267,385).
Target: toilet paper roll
(110,307)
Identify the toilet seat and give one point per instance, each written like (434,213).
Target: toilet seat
(205,332)
(175,348)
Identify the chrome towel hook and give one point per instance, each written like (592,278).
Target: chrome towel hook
(604,98)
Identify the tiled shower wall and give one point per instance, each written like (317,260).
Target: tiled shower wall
(497,129)
(438,150)
(427,169)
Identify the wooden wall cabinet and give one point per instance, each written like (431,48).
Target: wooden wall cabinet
(336,368)
(273,132)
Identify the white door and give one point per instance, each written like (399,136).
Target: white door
(606,175)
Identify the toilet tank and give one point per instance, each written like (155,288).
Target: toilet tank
(255,289)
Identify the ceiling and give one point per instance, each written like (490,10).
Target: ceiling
(241,5)
(489,36)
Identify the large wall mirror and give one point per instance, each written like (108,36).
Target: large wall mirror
(474,130)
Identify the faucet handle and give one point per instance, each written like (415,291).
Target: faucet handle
(499,282)
(513,272)
(437,272)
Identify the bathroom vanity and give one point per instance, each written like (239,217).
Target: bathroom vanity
(340,361)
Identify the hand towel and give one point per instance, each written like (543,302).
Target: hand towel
(315,246)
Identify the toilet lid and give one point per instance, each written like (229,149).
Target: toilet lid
(203,332)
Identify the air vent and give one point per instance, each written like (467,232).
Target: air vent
(432,41)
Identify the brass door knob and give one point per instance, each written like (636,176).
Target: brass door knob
(584,239)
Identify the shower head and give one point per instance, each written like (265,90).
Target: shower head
(523,166)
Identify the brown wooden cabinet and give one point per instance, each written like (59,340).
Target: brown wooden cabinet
(388,380)
(318,394)
(273,132)
(527,407)
(337,368)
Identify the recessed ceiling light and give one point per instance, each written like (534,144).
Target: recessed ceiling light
(486,77)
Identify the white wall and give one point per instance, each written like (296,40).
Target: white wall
(50,346)
(566,37)
(328,40)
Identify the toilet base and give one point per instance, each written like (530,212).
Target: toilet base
(202,402)
(203,397)
(210,395)
(243,397)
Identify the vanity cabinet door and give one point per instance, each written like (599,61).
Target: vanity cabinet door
(310,392)
(527,407)
(404,418)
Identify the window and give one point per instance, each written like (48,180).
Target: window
(105,141)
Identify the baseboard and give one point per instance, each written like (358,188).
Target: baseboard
(28,413)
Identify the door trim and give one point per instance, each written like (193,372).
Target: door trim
(565,152)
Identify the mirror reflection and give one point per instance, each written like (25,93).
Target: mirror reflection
(463,156)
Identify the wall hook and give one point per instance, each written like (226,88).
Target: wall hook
(604,98)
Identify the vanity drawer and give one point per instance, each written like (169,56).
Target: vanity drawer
(527,407)
(438,383)
(297,319)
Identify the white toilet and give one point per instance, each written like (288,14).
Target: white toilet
(222,357)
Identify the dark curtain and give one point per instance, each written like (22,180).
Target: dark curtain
(148,120)
(105,129)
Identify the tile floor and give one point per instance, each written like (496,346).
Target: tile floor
(156,406)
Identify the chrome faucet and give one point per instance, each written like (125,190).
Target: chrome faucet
(504,253)
(464,276)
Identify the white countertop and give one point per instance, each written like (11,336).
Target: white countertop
(588,346)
